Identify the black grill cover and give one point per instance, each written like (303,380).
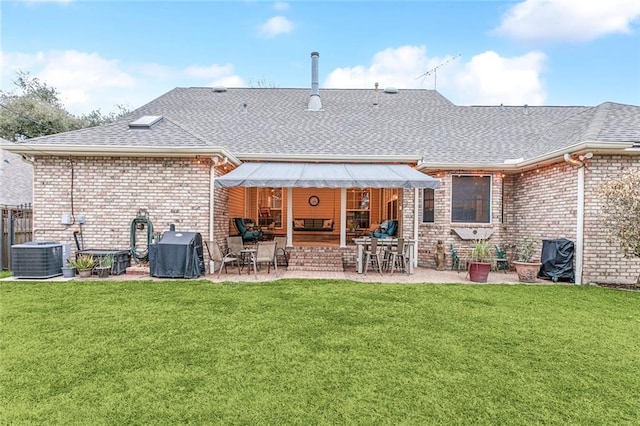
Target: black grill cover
(557,260)
(177,255)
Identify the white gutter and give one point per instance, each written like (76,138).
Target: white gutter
(619,148)
(112,150)
(329,158)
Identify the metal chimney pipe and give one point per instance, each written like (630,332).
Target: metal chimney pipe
(314,101)
(315,90)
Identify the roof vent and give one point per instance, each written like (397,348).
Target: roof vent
(219,89)
(145,122)
(390,90)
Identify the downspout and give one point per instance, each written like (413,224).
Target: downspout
(580,162)
(416,213)
(216,161)
(580,226)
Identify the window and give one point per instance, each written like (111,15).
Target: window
(428,205)
(270,207)
(358,202)
(471,199)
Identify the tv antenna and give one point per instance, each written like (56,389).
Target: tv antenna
(434,71)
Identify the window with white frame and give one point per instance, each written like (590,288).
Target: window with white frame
(470,199)
(270,207)
(358,208)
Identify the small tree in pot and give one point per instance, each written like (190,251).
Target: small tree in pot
(480,261)
(526,267)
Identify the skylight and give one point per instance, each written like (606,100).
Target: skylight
(145,122)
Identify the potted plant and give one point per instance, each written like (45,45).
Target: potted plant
(68,270)
(526,266)
(84,263)
(105,263)
(480,261)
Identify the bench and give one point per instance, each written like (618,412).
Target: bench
(312,224)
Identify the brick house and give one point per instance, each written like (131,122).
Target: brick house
(501,171)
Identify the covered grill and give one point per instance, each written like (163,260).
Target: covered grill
(557,260)
(177,255)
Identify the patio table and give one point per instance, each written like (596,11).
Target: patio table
(362,243)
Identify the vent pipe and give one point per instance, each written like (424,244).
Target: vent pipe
(314,101)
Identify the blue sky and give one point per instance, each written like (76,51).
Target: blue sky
(539,52)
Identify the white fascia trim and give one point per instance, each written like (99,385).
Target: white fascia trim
(551,157)
(117,151)
(323,158)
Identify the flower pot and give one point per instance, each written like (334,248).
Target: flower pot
(68,272)
(479,271)
(84,273)
(103,272)
(527,272)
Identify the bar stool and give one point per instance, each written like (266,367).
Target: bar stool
(398,256)
(372,254)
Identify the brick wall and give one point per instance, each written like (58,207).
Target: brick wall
(603,260)
(109,191)
(541,203)
(442,228)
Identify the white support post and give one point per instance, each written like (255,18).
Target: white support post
(343,217)
(289,217)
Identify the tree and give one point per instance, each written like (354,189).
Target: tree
(621,207)
(36,110)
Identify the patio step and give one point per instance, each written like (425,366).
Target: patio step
(315,259)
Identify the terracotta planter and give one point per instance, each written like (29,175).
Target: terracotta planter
(479,271)
(527,272)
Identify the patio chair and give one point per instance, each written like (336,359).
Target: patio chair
(265,253)
(372,255)
(244,232)
(281,249)
(215,253)
(502,263)
(235,244)
(387,229)
(457,262)
(398,256)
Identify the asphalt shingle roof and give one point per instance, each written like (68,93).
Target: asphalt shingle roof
(411,122)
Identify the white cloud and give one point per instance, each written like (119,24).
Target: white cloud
(87,81)
(275,26)
(487,78)
(397,67)
(568,20)
(491,79)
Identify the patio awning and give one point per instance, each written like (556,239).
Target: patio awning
(326,175)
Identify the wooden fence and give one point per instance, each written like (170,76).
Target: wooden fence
(16,227)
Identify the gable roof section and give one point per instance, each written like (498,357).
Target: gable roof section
(275,125)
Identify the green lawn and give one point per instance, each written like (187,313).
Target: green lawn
(317,352)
